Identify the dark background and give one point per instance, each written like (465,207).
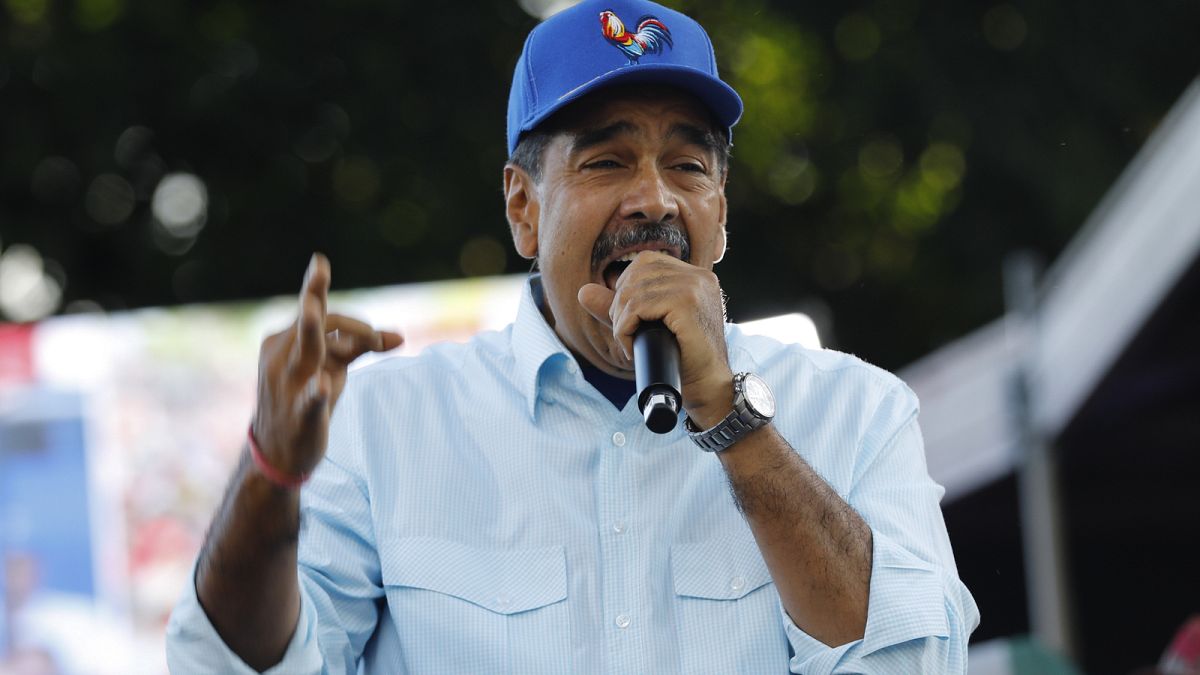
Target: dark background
(891,154)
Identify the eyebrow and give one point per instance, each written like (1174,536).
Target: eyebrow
(695,135)
(691,133)
(589,138)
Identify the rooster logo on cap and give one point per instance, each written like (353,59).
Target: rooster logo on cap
(652,35)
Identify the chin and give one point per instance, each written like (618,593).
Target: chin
(616,361)
(601,354)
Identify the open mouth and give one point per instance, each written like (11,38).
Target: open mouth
(614,269)
(614,251)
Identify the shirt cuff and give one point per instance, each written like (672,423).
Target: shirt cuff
(906,601)
(193,645)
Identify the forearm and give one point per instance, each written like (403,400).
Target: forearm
(816,546)
(246,576)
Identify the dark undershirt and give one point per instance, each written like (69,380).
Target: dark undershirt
(615,389)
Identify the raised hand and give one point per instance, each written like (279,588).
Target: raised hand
(246,576)
(301,373)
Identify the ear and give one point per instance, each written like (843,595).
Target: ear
(720,240)
(522,208)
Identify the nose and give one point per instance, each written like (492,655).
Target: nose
(650,197)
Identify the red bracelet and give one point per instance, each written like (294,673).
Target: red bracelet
(283,480)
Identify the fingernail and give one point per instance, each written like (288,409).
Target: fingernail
(312,265)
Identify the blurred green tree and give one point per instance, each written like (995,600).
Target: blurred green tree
(892,151)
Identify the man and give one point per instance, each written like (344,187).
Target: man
(500,506)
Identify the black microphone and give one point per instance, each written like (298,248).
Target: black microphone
(656,370)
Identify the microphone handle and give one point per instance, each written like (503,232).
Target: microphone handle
(656,371)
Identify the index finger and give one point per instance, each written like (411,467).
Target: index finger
(310,329)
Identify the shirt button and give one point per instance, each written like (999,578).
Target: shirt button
(622,621)
(738,583)
(572,367)
(619,439)
(619,527)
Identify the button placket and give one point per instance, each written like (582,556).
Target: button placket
(618,546)
(618,439)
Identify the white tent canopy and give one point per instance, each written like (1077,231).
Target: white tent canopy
(1133,250)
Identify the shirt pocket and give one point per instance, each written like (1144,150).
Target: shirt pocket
(727,611)
(459,608)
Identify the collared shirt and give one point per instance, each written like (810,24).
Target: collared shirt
(482,509)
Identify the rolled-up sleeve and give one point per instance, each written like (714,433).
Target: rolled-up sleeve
(919,614)
(193,645)
(338,572)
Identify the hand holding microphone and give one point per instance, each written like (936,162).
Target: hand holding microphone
(683,366)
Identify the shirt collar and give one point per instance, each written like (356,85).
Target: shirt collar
(534,342)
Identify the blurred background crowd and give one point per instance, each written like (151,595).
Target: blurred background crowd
(1000,201)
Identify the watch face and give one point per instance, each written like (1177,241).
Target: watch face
(759,395)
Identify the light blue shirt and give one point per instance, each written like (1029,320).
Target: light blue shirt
(482,509)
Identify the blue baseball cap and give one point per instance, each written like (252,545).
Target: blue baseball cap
(600,43)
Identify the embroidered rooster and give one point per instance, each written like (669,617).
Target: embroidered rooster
(651,35)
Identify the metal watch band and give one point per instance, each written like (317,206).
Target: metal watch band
(739,422)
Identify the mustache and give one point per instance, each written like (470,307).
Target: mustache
(650,232)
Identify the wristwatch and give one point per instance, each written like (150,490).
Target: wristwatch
(753,408)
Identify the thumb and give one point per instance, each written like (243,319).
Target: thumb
(597,300)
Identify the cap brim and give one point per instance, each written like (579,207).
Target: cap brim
(720,98)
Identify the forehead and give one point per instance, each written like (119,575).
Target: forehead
(641,109)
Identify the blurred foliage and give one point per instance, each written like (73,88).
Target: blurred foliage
(891,153)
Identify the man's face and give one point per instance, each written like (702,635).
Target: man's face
(632,171)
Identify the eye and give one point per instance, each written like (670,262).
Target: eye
(692,167)
(603,164)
